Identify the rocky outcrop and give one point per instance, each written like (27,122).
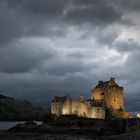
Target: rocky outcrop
(26,127)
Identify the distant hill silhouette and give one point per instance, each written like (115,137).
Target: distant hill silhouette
(15,110)
(3,97)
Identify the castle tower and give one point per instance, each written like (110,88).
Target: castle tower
(110,93)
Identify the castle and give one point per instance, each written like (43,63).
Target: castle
(106,100)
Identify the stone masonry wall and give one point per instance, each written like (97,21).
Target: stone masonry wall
(82,108)
(110,93)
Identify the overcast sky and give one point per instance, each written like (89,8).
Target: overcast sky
(64,47)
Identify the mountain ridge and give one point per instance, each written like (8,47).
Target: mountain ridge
(12,109)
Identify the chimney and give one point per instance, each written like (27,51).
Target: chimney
(112,79)
(100,82)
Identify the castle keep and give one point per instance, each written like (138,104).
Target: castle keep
(106,98)
(110,93)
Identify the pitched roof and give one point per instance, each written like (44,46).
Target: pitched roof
(106,83)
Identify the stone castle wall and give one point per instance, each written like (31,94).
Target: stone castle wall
(105,96)
(82,108)
(96,94)
(96,112)
(114,98)
(77,107)
(110,93)
(56,108)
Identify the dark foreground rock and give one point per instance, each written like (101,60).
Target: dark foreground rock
(26,127)
(32,127)
(97,133)
(42,137)
(135,135)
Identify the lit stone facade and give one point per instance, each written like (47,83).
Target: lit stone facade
(110,92)
(105,96)
(84,108)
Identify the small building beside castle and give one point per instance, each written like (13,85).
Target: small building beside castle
(106,99)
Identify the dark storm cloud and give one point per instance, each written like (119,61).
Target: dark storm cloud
(97,15)
(50,17)
(59,47)
(10,23)
(24,55)
(47,8)
(29,18)
(134,105)
(127,45)
(106,37)
(130,5)
(63,67)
